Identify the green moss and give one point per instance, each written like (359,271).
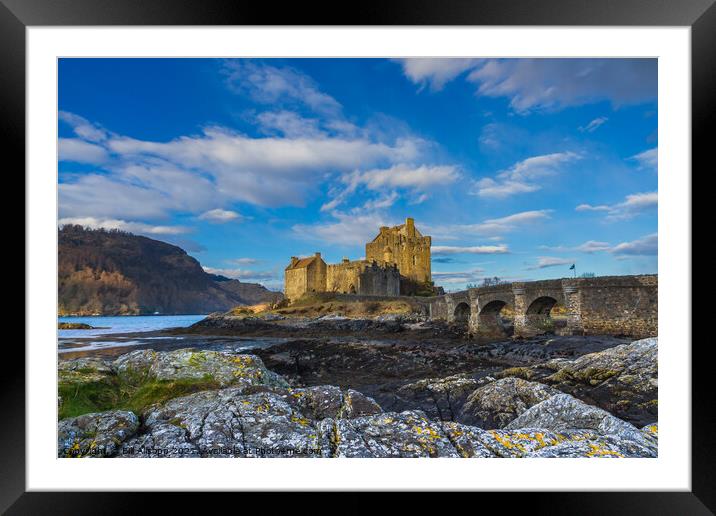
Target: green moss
(127,394)
(518,372)
(159,391)
(590,375)
(82,398)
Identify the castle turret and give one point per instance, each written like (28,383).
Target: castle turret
(404,246)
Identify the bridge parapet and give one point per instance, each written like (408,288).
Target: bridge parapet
(613,305)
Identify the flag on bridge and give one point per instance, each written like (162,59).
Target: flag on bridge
(572,267)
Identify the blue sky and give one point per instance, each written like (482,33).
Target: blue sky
(517,168)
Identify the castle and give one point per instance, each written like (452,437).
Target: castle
(397,261)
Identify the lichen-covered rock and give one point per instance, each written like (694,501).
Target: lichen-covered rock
(634,364)
(467,440)
(622,379)
(225,423)
(316,402)
(471,441)
(496,404)
(597,448)
(96,434)
(355,404)
(328,401)
(224,368)
(440,398)
(405,434)
(564,412)
(83,370)
(651,431)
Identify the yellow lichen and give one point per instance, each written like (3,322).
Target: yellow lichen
(599,451)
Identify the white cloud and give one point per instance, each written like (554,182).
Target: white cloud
(533,84)
(522,176)
(593,246)
(594,125)
(434,72)
(413,178)
(79,151)
(266,171)
(385,201)
(544,262)
(458,277)
(480,249)
(101,196)
(123,225)
(244,261)
(490,227)
(647,159)
(273,85)
(83,127)
(220,216)
(192,173)
(405,176)
(243,274)
(645,246)
(288,123)
(348,229)
(633,205)
(488,187)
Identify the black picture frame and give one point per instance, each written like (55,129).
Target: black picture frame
(700,15)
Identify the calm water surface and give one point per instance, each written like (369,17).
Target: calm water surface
(126,324)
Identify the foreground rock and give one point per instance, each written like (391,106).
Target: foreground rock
(500,402)
(188,364)
(563,413)
(141,378)
(440,398)
(95,435)
(231,423)
(190,403)
(622,379)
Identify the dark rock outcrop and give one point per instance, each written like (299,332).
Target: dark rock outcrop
(498,403)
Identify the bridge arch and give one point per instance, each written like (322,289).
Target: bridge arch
(490,321)
(538,318)
(542,305)
(462,314)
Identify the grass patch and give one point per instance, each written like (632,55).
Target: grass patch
(314,305)
(114,394)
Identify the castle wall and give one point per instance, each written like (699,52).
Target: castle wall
(343,278)
(295,283)
(317,274)
(363,277)
(380,281)
(301,280)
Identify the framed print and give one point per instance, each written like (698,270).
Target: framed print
(415,250)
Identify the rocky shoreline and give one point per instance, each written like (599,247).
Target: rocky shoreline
(404,388)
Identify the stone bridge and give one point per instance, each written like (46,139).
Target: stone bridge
(608,305)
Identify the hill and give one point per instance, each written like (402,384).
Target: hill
(116,273)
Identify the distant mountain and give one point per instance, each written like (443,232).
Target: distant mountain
(117,273)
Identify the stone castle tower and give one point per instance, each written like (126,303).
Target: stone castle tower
(397,262)
(405,247)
